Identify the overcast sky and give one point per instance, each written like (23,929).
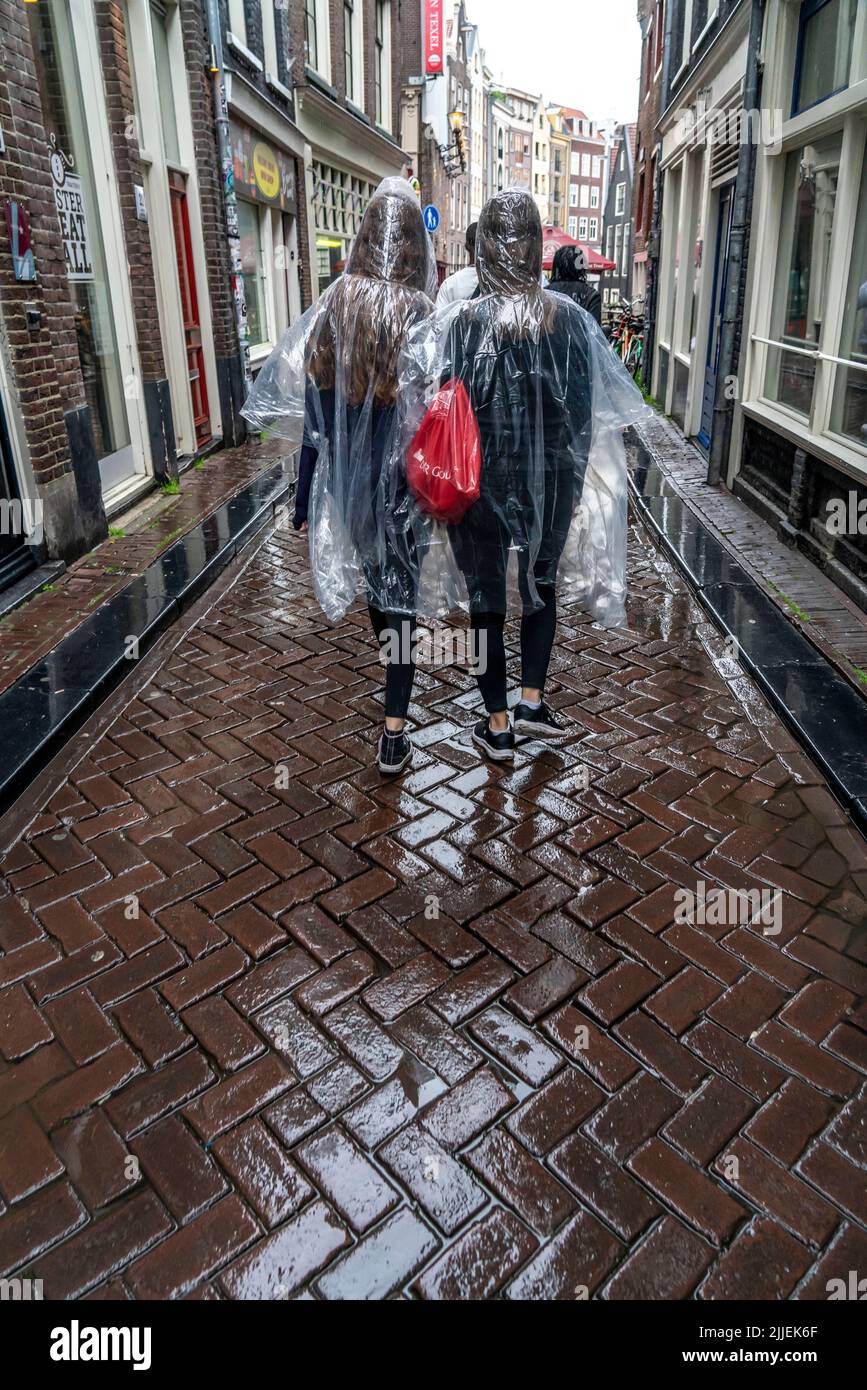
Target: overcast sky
(583,53)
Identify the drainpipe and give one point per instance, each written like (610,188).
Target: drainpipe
(224,146)
(723,409)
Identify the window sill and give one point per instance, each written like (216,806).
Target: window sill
(260,353)
(830,448)
(276,86)
(357,112)
(242,51)
(317,80)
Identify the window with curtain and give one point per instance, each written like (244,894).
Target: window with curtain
(826,34)
(849,411)
(809,199)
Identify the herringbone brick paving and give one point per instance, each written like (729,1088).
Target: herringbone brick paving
(272,1026)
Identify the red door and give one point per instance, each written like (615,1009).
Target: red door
(190,307)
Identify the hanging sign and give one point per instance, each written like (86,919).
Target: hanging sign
(433,37)
(69,201)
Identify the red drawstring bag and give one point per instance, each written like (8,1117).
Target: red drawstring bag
(444,461)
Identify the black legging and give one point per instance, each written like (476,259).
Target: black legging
(398,631)
(537,642)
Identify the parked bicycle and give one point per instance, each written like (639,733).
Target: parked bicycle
(627,334)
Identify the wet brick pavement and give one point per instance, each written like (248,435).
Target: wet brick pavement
(286,1075)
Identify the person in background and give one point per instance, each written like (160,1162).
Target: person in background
(569,276)
(464,283)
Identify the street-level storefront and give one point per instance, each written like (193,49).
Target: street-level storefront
(339,201)
(19,517)
(79,152)
(170,205)
(266,191)
(800,439)
(700,134)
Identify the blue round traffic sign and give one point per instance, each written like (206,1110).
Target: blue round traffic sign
(431,217)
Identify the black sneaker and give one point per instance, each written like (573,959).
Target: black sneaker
(394,752)
(500,747)
(537,723)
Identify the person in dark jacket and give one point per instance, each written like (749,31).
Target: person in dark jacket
(569,276)
(523,356)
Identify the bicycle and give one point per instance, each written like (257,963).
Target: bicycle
(627,338)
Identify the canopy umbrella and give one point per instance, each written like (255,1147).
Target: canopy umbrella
(553,238)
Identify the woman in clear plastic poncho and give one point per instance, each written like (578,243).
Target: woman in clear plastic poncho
(551,400)
(331,387)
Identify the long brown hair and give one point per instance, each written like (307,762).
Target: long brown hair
(368,313)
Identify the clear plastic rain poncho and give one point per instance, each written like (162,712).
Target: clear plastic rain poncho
(330,387)
(551,400)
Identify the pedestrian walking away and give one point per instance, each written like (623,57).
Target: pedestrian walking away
(465,282)
(569,277)
(550,401)
(330,387)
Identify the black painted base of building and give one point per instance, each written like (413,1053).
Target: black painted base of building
(799,495)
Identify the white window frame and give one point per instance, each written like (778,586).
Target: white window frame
(585,166)
(582,228)
(573,195)
(323,39)
(158,200)
(237,21)
(596,166)
(383,119)
(573,228)
(269,41)
(357,97)
(846,112)
(593,230)
(594,195)
(88,53)
(585,196)
(619,199)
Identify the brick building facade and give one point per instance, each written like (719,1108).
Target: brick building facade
(119,349)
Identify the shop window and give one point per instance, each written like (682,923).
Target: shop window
(849,412)
(81,214)
(809,198)
(826,33)
(253,269)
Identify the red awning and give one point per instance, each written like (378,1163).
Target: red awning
(553,238)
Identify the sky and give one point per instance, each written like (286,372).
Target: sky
(582,53)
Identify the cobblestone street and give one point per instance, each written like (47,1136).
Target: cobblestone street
(273,1026)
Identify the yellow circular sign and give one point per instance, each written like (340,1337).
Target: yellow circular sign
(266,171)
